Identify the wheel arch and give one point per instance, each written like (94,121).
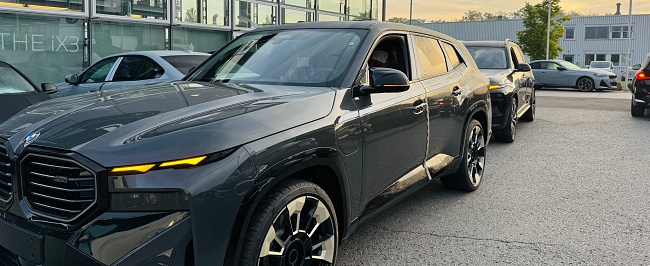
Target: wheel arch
(317,166)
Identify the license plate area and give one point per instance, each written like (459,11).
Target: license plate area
(21,242)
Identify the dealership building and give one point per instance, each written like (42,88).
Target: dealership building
(65,36)
(588,38)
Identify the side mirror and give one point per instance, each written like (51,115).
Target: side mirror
(384,80)
(48,88)
(72,79)
(561,68)
(636,67)
(523,67)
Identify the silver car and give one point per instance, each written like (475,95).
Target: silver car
(560,73)
(131,69)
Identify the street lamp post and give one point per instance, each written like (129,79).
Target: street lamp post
(629,46)
(548,28)
(411,13)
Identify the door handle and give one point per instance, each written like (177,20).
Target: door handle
(419,106)
(456,91)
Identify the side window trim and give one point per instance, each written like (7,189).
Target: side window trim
(461,59)
(111,73)
(365,69)
(420,76)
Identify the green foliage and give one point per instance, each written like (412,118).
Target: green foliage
(533,38)
(190,15)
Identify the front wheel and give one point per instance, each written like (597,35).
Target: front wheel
(585,84)
(295,224)
(470,173)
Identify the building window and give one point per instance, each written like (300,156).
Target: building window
(115,37)
(594,57)
(568,57)
(254,15)
(619,32)
(151,9)
(198,40)
(592,33)
(214,12)
(69,5)
(295,16)
(569,33)
(618,59)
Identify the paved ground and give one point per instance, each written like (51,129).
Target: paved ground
(572,189)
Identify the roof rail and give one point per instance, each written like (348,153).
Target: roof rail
(508,40)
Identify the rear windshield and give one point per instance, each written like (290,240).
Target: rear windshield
(12,82)
(184,62)
(600,64)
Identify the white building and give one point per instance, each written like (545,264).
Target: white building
(585,39)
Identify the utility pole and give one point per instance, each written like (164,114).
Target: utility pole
(411,13)
(629,46)
(383,10)
(548,28)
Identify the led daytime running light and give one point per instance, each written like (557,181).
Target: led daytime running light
(134,168)
(189,161)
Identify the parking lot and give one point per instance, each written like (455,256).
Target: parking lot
(572,189)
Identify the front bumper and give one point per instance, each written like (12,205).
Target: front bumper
(606,83)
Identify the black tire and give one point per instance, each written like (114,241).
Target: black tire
(470,172)
(312,205)
(585,84)
(529,115)
(637,111)
(508,132)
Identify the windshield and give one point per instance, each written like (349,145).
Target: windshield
(12,82)
(309,57)
(489,57)
(568,65)
(599,65)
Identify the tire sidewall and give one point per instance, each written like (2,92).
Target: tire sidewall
(462,171)
(298,189)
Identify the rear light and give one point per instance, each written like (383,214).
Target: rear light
(642,76)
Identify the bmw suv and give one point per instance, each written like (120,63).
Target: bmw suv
(268,153)
(640,88)
(511,84)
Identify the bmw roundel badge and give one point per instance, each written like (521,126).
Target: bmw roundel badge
(31,137)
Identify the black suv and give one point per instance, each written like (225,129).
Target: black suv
(511,84)
(640,88)
(269,153)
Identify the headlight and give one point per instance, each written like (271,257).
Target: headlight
(495,86)
(176,164)
(600,75)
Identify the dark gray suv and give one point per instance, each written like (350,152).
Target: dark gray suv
(511,84)
(269,153)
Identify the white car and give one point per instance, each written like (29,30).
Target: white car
(604,65)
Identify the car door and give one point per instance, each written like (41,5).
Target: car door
(440,74)
(541,77)
(394,128)
(133,70)
(555,76)
(93,78)
(527,78)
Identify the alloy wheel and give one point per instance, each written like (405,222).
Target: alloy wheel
(585,84)
(476,155)
(302,234)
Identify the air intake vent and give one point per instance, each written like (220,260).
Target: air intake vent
(5,175)
(57,188)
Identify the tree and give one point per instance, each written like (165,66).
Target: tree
(397,20)
(533,38)
(472,15)
(190,15)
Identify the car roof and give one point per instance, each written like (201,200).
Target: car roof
(488,43)
(367,25)
(162,53)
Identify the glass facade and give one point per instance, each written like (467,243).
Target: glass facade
(49,39)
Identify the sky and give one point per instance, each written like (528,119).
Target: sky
(454,9)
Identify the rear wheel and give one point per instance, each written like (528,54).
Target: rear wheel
(637,111)
(470,173)
(295,224)
(507,133)
(585,84)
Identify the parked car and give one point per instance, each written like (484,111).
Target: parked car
(640,88)
(602,65)
(630,72)
(17,91)
(131,69)
(269,152)
(511,84)
(560,73)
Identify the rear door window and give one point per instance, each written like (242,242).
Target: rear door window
(454,57)
(431,59)
(134,68)
(99,71)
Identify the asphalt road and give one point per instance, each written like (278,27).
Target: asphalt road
(574,188)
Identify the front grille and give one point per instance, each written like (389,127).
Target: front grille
(57,188)
(5,175)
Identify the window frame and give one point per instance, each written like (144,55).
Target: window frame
(109,76)
(420,76)
(461,59)
(573,33)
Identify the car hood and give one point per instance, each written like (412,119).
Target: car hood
(166,121)
(593,71)
(495,75)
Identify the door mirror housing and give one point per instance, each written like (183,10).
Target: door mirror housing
(386,80)
(636,67)
(561,68)
(49,88)
(523,67)
(72,79)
